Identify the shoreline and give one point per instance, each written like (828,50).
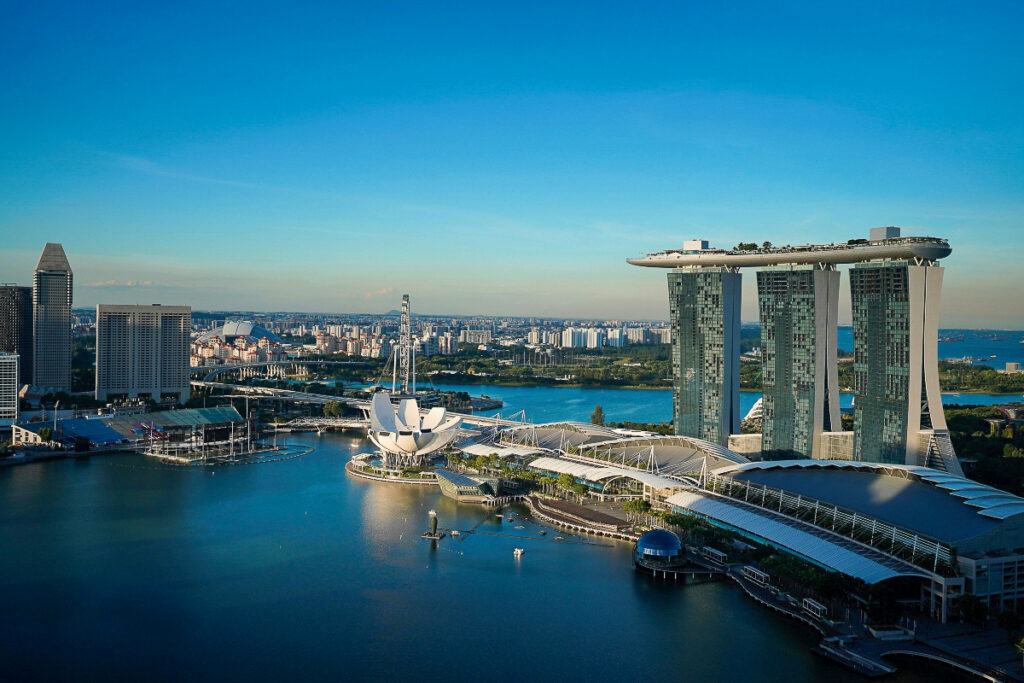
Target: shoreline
(632,387)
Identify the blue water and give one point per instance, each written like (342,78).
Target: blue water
(116,568)
(547,404)
(1006,346)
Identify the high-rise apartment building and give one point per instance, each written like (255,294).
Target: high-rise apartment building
(704,314)
(470,336)
(638,335)
(16,327)
(51,319)
(572,338)
(142,350)
(798,307)
(898,414)
(9,386)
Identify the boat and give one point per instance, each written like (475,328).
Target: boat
(455,532)
(520,526)
(518,552)
(559,538)
(543,533)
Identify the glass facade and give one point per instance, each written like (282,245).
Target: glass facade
(16,327)
(52,286)
(795,394)
(882,345)
(704,307)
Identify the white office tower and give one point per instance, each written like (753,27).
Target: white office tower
(8,388)
(51,319)
(594,338)
(142,350)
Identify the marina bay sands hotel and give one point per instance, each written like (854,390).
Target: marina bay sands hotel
(895,285)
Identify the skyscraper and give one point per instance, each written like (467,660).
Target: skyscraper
(896,287)
(9,386)
(704,314)
(798,305)
(142,350)
(898,417)
(16,327)
(51,319)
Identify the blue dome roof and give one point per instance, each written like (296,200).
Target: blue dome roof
(659,542)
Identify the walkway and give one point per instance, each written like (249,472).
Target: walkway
(307,397)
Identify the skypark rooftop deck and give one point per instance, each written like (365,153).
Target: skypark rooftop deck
(855,251)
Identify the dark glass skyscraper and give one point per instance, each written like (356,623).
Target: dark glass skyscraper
(898,416)
(704,313)
(51,319)
(798,307)
(16,327)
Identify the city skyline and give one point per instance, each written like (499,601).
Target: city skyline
(517,175)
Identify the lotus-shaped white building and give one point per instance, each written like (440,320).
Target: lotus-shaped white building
(403,436)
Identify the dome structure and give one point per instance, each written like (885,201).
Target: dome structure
(659,543)
(403,435)
(233,329)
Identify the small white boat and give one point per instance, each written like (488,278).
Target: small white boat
(518,552)
(455,532)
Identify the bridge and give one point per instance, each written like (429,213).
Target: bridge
(321,424)
(362,404)
(273,368)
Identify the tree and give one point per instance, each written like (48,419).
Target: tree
(1010,622)
(597,417)
(972,608)
(565,481)
(45,433)
(766,245)
(637,506)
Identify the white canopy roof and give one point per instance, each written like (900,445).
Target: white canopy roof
(827,550)
(597,474)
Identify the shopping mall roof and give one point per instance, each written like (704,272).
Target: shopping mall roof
(553,435)
(679,455)
(596,473)
(675,455)
(944,506)
(817,545)
(483,449)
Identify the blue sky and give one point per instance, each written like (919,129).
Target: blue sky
(500,159)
